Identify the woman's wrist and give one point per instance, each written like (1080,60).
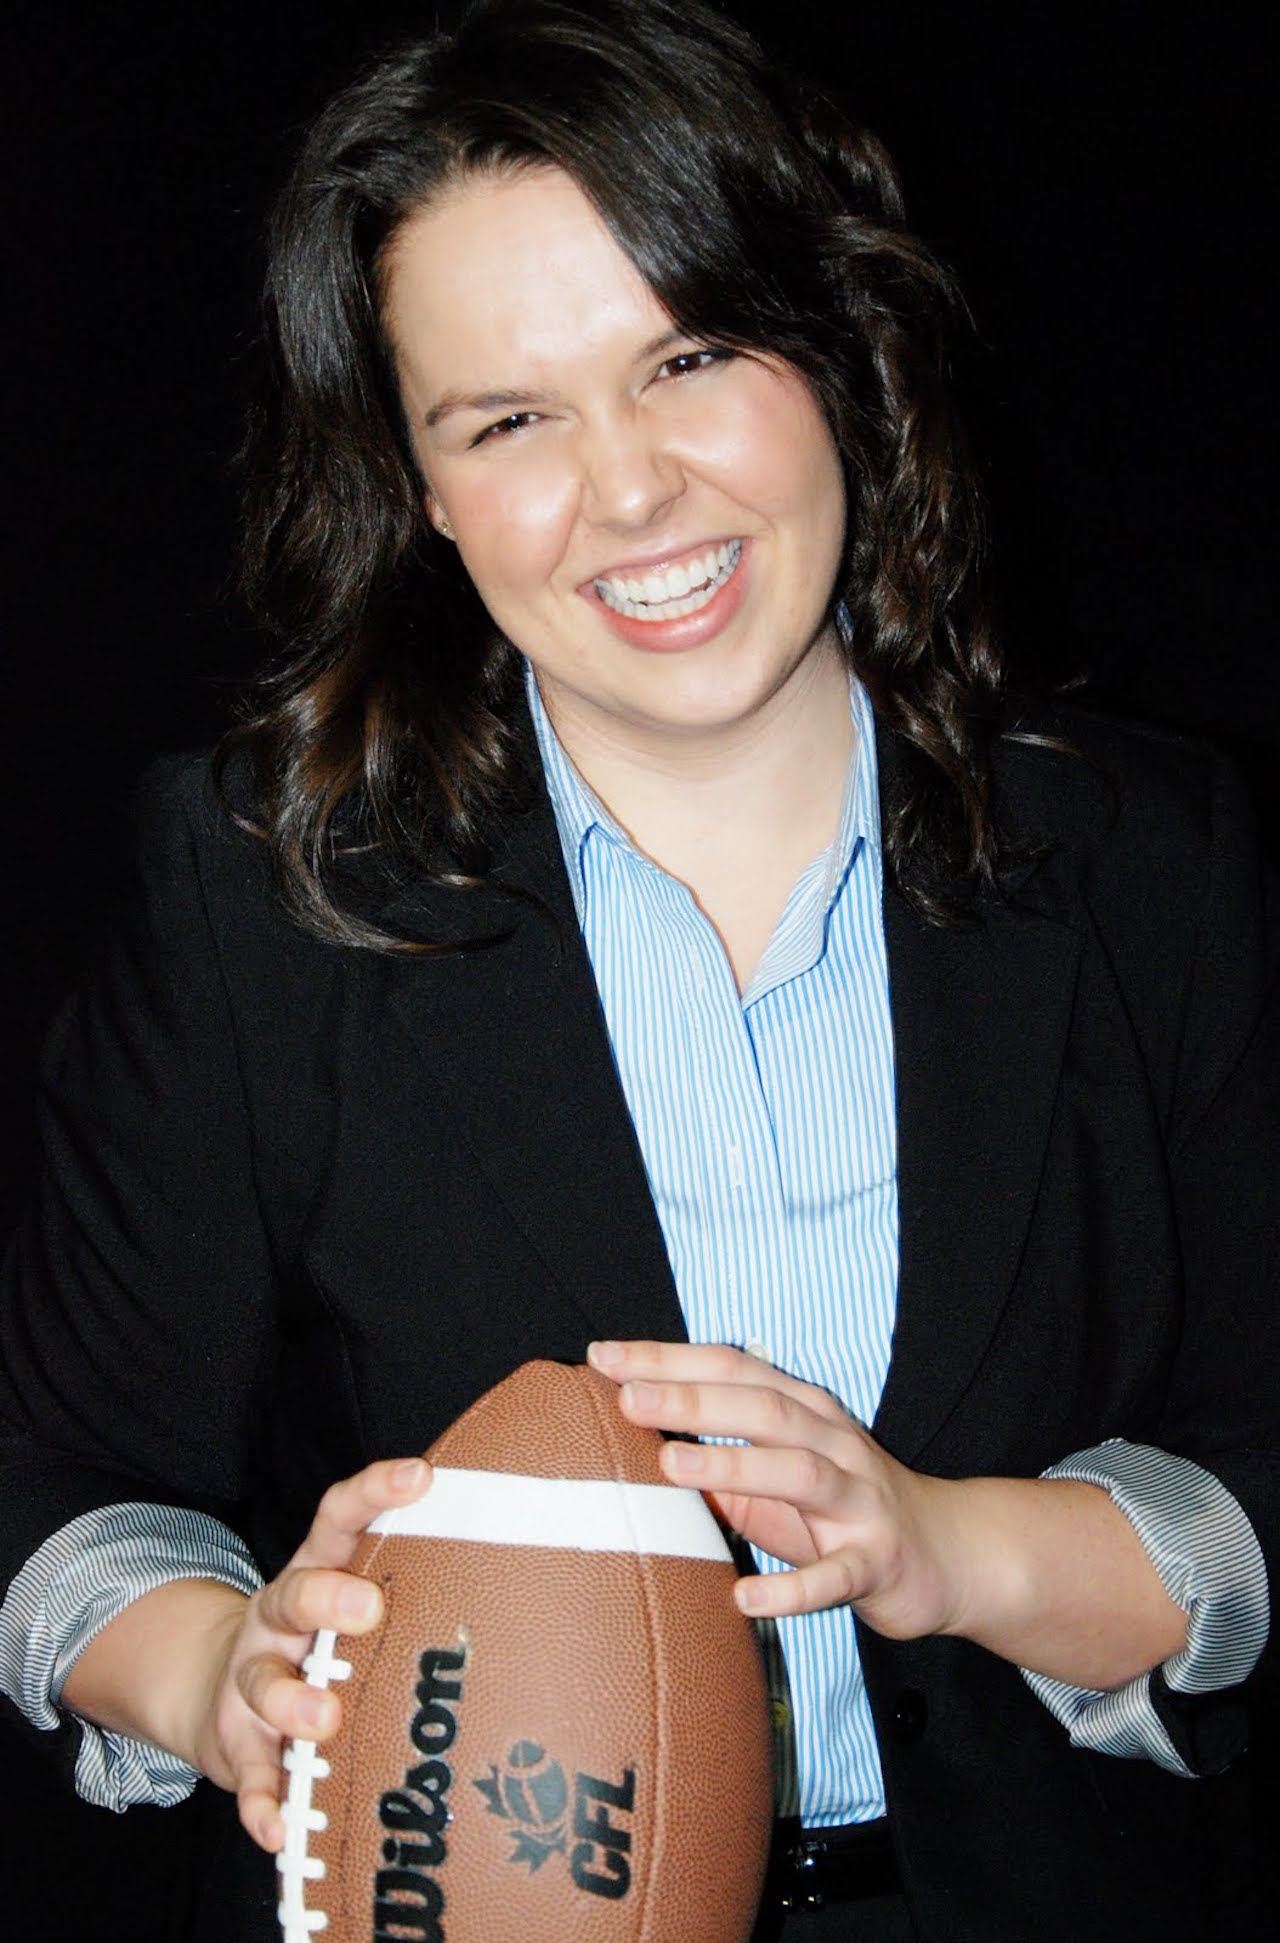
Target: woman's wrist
(1052,1576)
(155,1671)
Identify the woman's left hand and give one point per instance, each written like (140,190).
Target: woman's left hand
(1046,1572)
(807,1484)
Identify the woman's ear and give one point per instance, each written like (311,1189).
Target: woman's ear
(437,515)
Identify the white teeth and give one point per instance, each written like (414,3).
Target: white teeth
(680,590)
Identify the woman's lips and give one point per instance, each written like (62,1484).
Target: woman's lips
(707,608)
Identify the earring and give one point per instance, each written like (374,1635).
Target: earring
(443,527)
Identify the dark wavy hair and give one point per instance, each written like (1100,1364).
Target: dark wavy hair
(763,221)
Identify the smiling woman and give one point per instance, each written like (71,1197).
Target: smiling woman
(579,259)
(632,923)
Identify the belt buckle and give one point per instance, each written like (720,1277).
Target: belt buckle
(803,1858)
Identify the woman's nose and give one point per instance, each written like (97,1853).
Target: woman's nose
(630,476)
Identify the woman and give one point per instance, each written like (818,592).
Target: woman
(634,914)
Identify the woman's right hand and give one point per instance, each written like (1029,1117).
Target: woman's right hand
(257,1698)
(216,1679)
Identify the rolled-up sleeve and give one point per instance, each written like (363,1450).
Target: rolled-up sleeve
(78,1582)
(1210,1564)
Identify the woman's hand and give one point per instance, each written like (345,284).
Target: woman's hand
(1047,1573)
(807,1485)
(215,1678)
(257,1698)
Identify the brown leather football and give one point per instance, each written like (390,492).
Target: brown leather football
(560,1732)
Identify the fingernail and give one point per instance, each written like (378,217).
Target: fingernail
(356,1601)
(643,1396)
(686,1460)
(604,1356)
(752,1595)
(314,1709)
(408,1474)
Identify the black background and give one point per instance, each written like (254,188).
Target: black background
(1102,184)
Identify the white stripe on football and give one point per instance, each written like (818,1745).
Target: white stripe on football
(570,1514)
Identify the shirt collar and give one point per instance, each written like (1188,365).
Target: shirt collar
(579,813)
(578,810)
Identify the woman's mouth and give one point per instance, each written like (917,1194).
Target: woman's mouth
(670,593)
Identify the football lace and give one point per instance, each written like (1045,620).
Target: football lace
(306,1766)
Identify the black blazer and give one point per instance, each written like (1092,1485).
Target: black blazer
(303,1204)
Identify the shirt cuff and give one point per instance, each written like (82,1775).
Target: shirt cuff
(81,1579)
(1210,1563)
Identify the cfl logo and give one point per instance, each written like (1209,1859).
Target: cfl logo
(530,1792)
(598,1861)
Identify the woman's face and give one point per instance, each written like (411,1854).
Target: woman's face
(656,524)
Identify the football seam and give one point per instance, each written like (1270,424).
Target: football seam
(611,1441)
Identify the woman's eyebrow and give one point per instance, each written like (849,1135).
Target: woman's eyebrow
(505,401)
(482,401)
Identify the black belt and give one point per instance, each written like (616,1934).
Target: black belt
(810,1867)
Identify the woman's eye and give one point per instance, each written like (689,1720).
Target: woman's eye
(685,363)
(503,428)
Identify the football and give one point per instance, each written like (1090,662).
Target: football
(561,1729)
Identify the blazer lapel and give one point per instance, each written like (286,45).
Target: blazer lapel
(981,1011)
(542,1112)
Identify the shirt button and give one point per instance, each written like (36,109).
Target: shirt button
(908,1716)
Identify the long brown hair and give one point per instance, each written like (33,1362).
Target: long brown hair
(762,220)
